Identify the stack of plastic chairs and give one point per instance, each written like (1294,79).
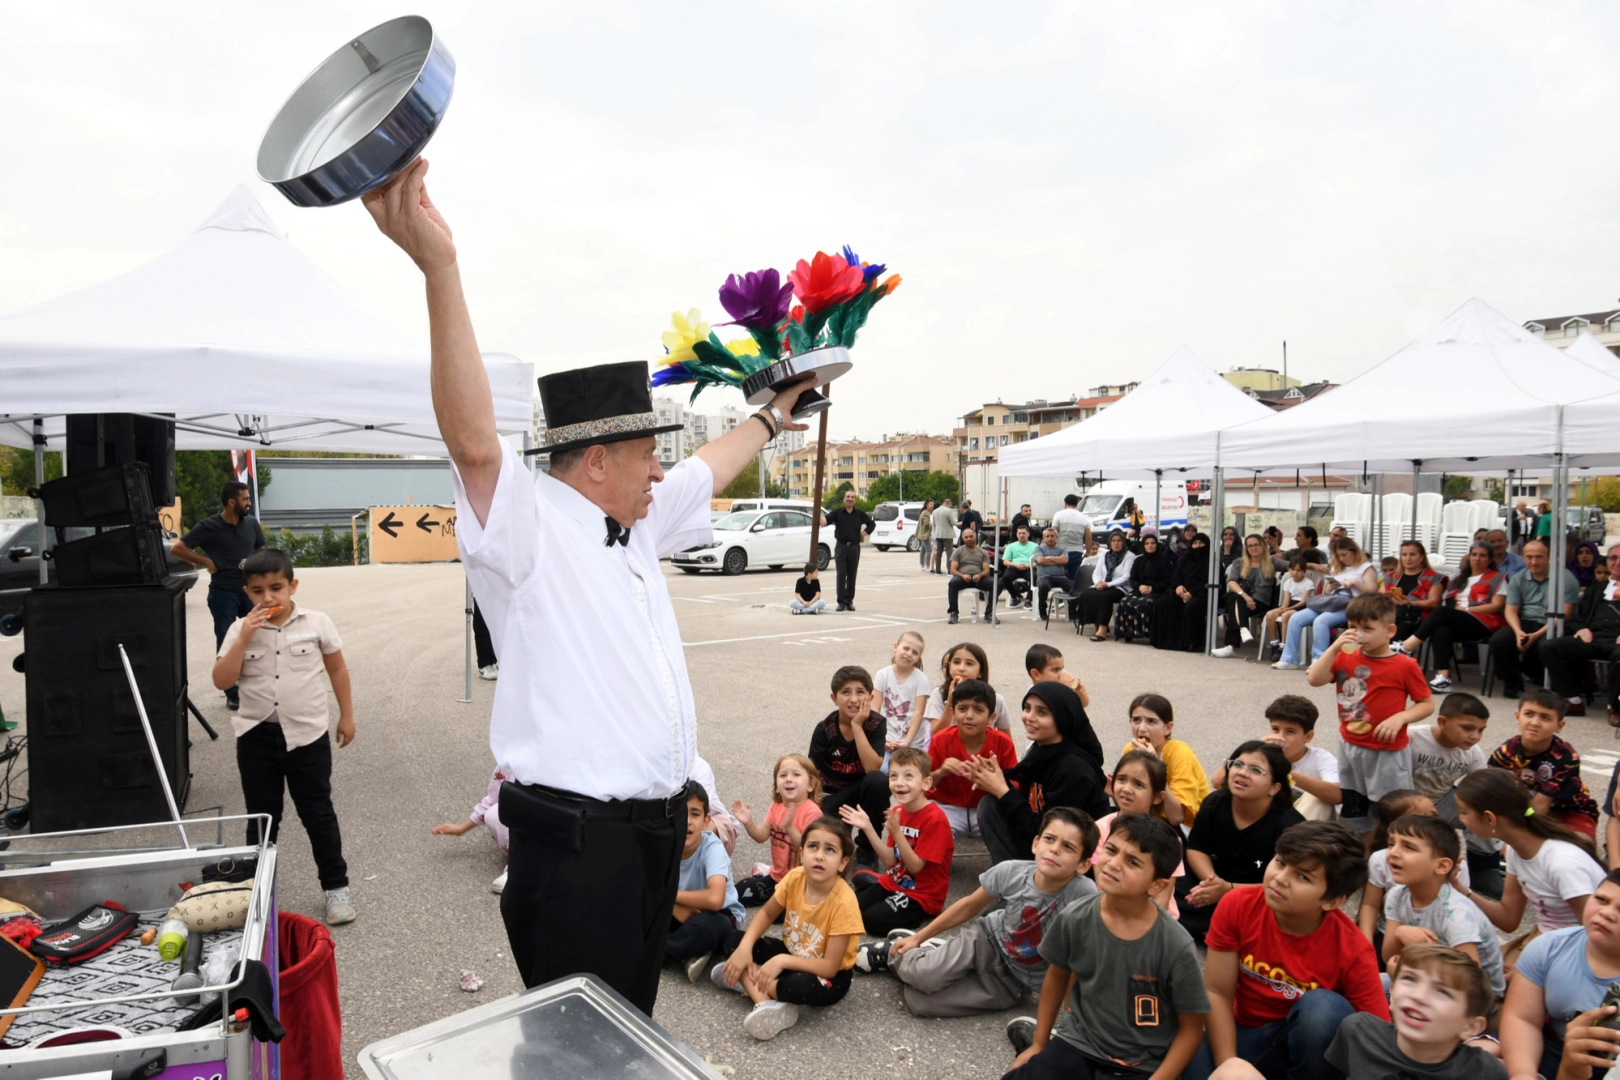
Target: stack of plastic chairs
(1456,533)
(1428,518)
(1485,515)
(1353,513)
(1393,524)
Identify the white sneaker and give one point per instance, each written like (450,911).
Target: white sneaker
(1283,665)
(1245,633)
(1440,683)
(499,884)
(717,975)
(694,966)
(761,869)
(1223,652)
(489,673)
(769,1019)
(339,908)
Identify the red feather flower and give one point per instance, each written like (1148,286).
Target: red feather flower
(824,281)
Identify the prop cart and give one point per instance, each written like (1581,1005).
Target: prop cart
(123,997)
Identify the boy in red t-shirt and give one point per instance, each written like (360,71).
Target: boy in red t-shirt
(1285,964)
(917,858)
(970,735)
(1374,683)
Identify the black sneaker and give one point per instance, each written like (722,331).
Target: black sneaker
(952,619)
(1512,690)
(232,704)
(1021,1033)
(849,607)
(873,957)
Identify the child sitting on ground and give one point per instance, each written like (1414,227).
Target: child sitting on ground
(917,859)
(1153,724)
(1421,906)
(488,814)
(1285,965)
(821,929)
(847,749)
(951,751)
(1297,588)
(961,662)
(1373,684)
(706,906)
(995,961)
(281,737)
(1045,664)
(1448,750)
(1127,972)
(1388,810)
(1313,771)
(1546,764)
(1138,787)
(901,690)
(795,803)
(807,598)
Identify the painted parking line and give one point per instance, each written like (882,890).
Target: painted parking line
(797,634)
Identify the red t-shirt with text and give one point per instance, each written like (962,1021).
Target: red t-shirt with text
(959,790)
(1370,690)
(928,831)
(1275,969)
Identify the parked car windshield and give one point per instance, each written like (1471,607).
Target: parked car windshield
(737,522)
(886,512)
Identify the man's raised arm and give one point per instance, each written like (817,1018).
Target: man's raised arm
(461,397)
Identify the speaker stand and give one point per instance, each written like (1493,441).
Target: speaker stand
(212,734)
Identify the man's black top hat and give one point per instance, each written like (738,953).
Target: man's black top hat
(602,404)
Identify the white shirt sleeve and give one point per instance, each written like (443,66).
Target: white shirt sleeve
(679,517)
(506,547)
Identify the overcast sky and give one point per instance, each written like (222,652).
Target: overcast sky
(1070,190)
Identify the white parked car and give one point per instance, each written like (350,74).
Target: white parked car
(773,538)
(896,525)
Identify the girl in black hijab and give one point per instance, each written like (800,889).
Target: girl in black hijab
(1063,767)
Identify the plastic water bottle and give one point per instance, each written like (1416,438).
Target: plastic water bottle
(171,939)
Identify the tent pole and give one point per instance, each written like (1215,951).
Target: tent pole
(1158,475)
(1217,522)
(1556,545)
(39,481)
(1412,529)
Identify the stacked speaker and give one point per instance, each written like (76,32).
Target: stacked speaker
(88,760)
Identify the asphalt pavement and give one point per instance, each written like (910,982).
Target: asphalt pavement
(761,677)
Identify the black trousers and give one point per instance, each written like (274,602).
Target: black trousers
(957,585)
(871,794)
(1097,605)
(1002,841)
(603,908)
(846,560)
(1014,581)
(1566,659)
(482,645)
(793,987)
(1062,1061)
(882,910)
(702,933)
(1238,614)
(1510,664)
(1445,626)
(268,769)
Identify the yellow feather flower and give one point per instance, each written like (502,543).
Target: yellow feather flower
(687,331)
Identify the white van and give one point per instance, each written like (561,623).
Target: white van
(738,506)
(896,525)
(1109,504)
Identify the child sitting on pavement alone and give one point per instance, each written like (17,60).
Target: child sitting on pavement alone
(807,598)
(917,859)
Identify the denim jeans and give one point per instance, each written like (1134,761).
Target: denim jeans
(1324,621)
(799,607)
(226,606)
(1323,635)
(1291,1049)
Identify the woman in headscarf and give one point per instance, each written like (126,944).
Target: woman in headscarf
(1109,579)
(1178,615)
(1150,579)
(1063,767)
(1585,563)
(1231,550)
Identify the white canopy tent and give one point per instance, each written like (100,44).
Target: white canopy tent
(245,341)
(1594,354)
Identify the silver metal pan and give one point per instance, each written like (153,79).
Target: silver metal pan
(357,120)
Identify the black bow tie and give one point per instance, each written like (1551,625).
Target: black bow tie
(616,534)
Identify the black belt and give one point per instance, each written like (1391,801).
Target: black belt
(620,809)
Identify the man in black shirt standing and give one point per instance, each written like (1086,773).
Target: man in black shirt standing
(1021,519)
(226,539)
(969,518)
(850,527)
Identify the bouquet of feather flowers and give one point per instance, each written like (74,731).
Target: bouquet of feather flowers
(787,342)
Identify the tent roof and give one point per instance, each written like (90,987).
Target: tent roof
(1168,422)
(1589,426)
(246,341)
(1590,351)
(1478,393)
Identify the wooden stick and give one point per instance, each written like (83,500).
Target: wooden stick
(821,478)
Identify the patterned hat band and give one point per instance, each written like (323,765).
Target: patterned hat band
(596,429)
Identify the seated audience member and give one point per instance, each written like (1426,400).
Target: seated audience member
(1421,906)
(1558,984)
(1285,965)
(1448,750)
(1388,568)
(959,664)
(1503,555)
(795,803)
(1152,723)
(1551,868)
(847,749)
(1593,633)
(1138,786)
(1546,764)
(1108,583)
(951,751)
(1584,563)
(1472,611)
(994,962)
(1305,548)
(1051,569)
(1150,580)
(1251,590)
(706,906)
(1314,771)
(1388,810)
(1516,647)
(1416,588)
(1350,575)
(1017,560)
(1296,588)
(1178,616)
(901,693)
(970,569)
(1127,973)
(1045,664)
(916,860)
(807,598)
(1235,836)
(1057,770)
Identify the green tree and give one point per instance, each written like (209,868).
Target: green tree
(1494,492)
(1457,487)
(835,497)
(919,486)
(1604,492)
(746,485)
(198,476)
(17,469)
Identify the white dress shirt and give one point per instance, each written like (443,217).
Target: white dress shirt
(593,696)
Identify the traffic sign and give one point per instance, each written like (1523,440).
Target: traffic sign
(408,534)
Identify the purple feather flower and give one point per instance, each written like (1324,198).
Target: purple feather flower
(756,301)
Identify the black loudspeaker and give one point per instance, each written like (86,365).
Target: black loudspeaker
(88,762)
(108,497)
(132,555)
(96,440)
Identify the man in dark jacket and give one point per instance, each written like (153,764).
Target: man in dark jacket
(851,527)
(1593,634)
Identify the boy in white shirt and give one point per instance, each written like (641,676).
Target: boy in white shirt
(1315,771)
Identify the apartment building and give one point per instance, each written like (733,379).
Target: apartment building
(698,428)
(985,430)
(860,462)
